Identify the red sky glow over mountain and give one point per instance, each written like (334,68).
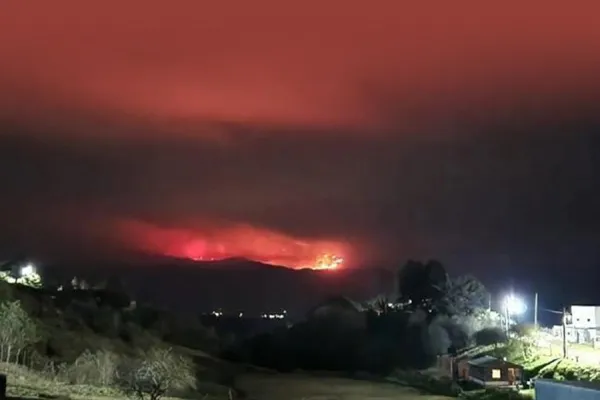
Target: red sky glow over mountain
(237,241)
(303,132)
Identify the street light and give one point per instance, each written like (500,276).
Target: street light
(513,306)
(27,270)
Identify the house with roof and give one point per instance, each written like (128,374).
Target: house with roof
(490,371)
(486,371)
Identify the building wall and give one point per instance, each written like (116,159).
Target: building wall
(462,369)
(584,316)
(477,373)
(585,320)
(485,375)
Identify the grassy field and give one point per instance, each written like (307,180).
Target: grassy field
(217,376)
(254,386)
(302,387)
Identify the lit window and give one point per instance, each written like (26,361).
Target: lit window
(496,374)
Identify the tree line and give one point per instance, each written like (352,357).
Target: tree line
(432,314)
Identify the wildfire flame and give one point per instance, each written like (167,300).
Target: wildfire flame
(328,261)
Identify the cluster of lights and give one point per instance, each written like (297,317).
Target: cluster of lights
(274,316)
(282,315)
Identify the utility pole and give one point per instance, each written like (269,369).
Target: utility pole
(564,326)
(506,319)
(535,312)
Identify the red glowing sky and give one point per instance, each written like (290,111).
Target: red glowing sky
(296,125)
(220,243)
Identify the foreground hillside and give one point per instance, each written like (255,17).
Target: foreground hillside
(100,343)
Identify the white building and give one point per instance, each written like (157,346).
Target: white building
(584,324)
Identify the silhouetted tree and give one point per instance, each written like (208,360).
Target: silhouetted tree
(489,336)
(463,295)
(422,285)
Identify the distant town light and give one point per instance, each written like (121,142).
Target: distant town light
(273,316)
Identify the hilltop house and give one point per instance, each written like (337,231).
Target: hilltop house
(584,322)
(582,325)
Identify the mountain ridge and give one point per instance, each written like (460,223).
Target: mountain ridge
(233,285)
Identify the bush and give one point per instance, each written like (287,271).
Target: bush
(98,369)
(155,373)
(571,371)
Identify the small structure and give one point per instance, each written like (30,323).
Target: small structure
(546,389)
(493,372)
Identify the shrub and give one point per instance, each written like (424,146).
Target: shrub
(98,369)
(155,373)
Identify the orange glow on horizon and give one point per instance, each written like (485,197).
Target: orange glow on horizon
(237,241)
(328,262)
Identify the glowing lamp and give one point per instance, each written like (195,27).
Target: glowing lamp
(27,270)
(515,305)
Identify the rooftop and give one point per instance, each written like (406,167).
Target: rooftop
(489,360)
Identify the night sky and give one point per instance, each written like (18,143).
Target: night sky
(279,133)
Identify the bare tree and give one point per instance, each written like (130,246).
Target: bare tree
(17,331)
(153,374)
